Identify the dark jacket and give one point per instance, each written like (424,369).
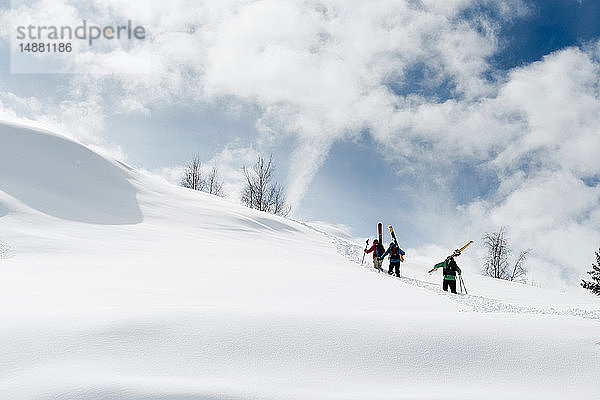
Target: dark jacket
(450,269)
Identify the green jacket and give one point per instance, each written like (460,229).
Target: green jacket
(450,269)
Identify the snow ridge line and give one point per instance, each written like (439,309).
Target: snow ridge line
(353,252)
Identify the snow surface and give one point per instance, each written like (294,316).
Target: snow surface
(117,286)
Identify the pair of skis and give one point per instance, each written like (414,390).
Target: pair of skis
(380,233)
(396,242)
(392,234)
(456,253)
(380,237)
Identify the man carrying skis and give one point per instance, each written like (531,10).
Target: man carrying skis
(396,256)
(377,250)
(450,269)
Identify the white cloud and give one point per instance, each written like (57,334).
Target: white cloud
(559,100)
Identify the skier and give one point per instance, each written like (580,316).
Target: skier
(377,249)
(450,270)
(396,256)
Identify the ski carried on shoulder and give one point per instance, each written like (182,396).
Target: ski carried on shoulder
(393,234)
(380,232)
(456,253)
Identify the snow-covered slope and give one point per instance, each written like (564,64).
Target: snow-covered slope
(121,287)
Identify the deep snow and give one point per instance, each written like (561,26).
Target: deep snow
(119,286)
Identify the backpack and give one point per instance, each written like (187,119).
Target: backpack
(379,249)
(450,268)
(397,253)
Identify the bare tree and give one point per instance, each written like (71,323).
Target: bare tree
(192,175)
(278,202)
(519,272)
(261,192)
(497,260)
(194,178)
(213,183)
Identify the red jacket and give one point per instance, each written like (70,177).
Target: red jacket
(376,252)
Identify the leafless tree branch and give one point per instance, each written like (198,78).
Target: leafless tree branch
(260,192)
(496,261)
(194,178)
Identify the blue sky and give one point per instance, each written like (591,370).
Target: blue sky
(446,119)
(550,26)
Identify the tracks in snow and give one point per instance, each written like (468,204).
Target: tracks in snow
(472,303)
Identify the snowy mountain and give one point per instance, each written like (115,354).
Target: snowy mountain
(119,286)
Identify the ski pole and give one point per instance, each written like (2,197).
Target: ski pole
(364,252)
(463,284)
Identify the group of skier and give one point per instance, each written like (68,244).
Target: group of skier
(379,252)
(396,254)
